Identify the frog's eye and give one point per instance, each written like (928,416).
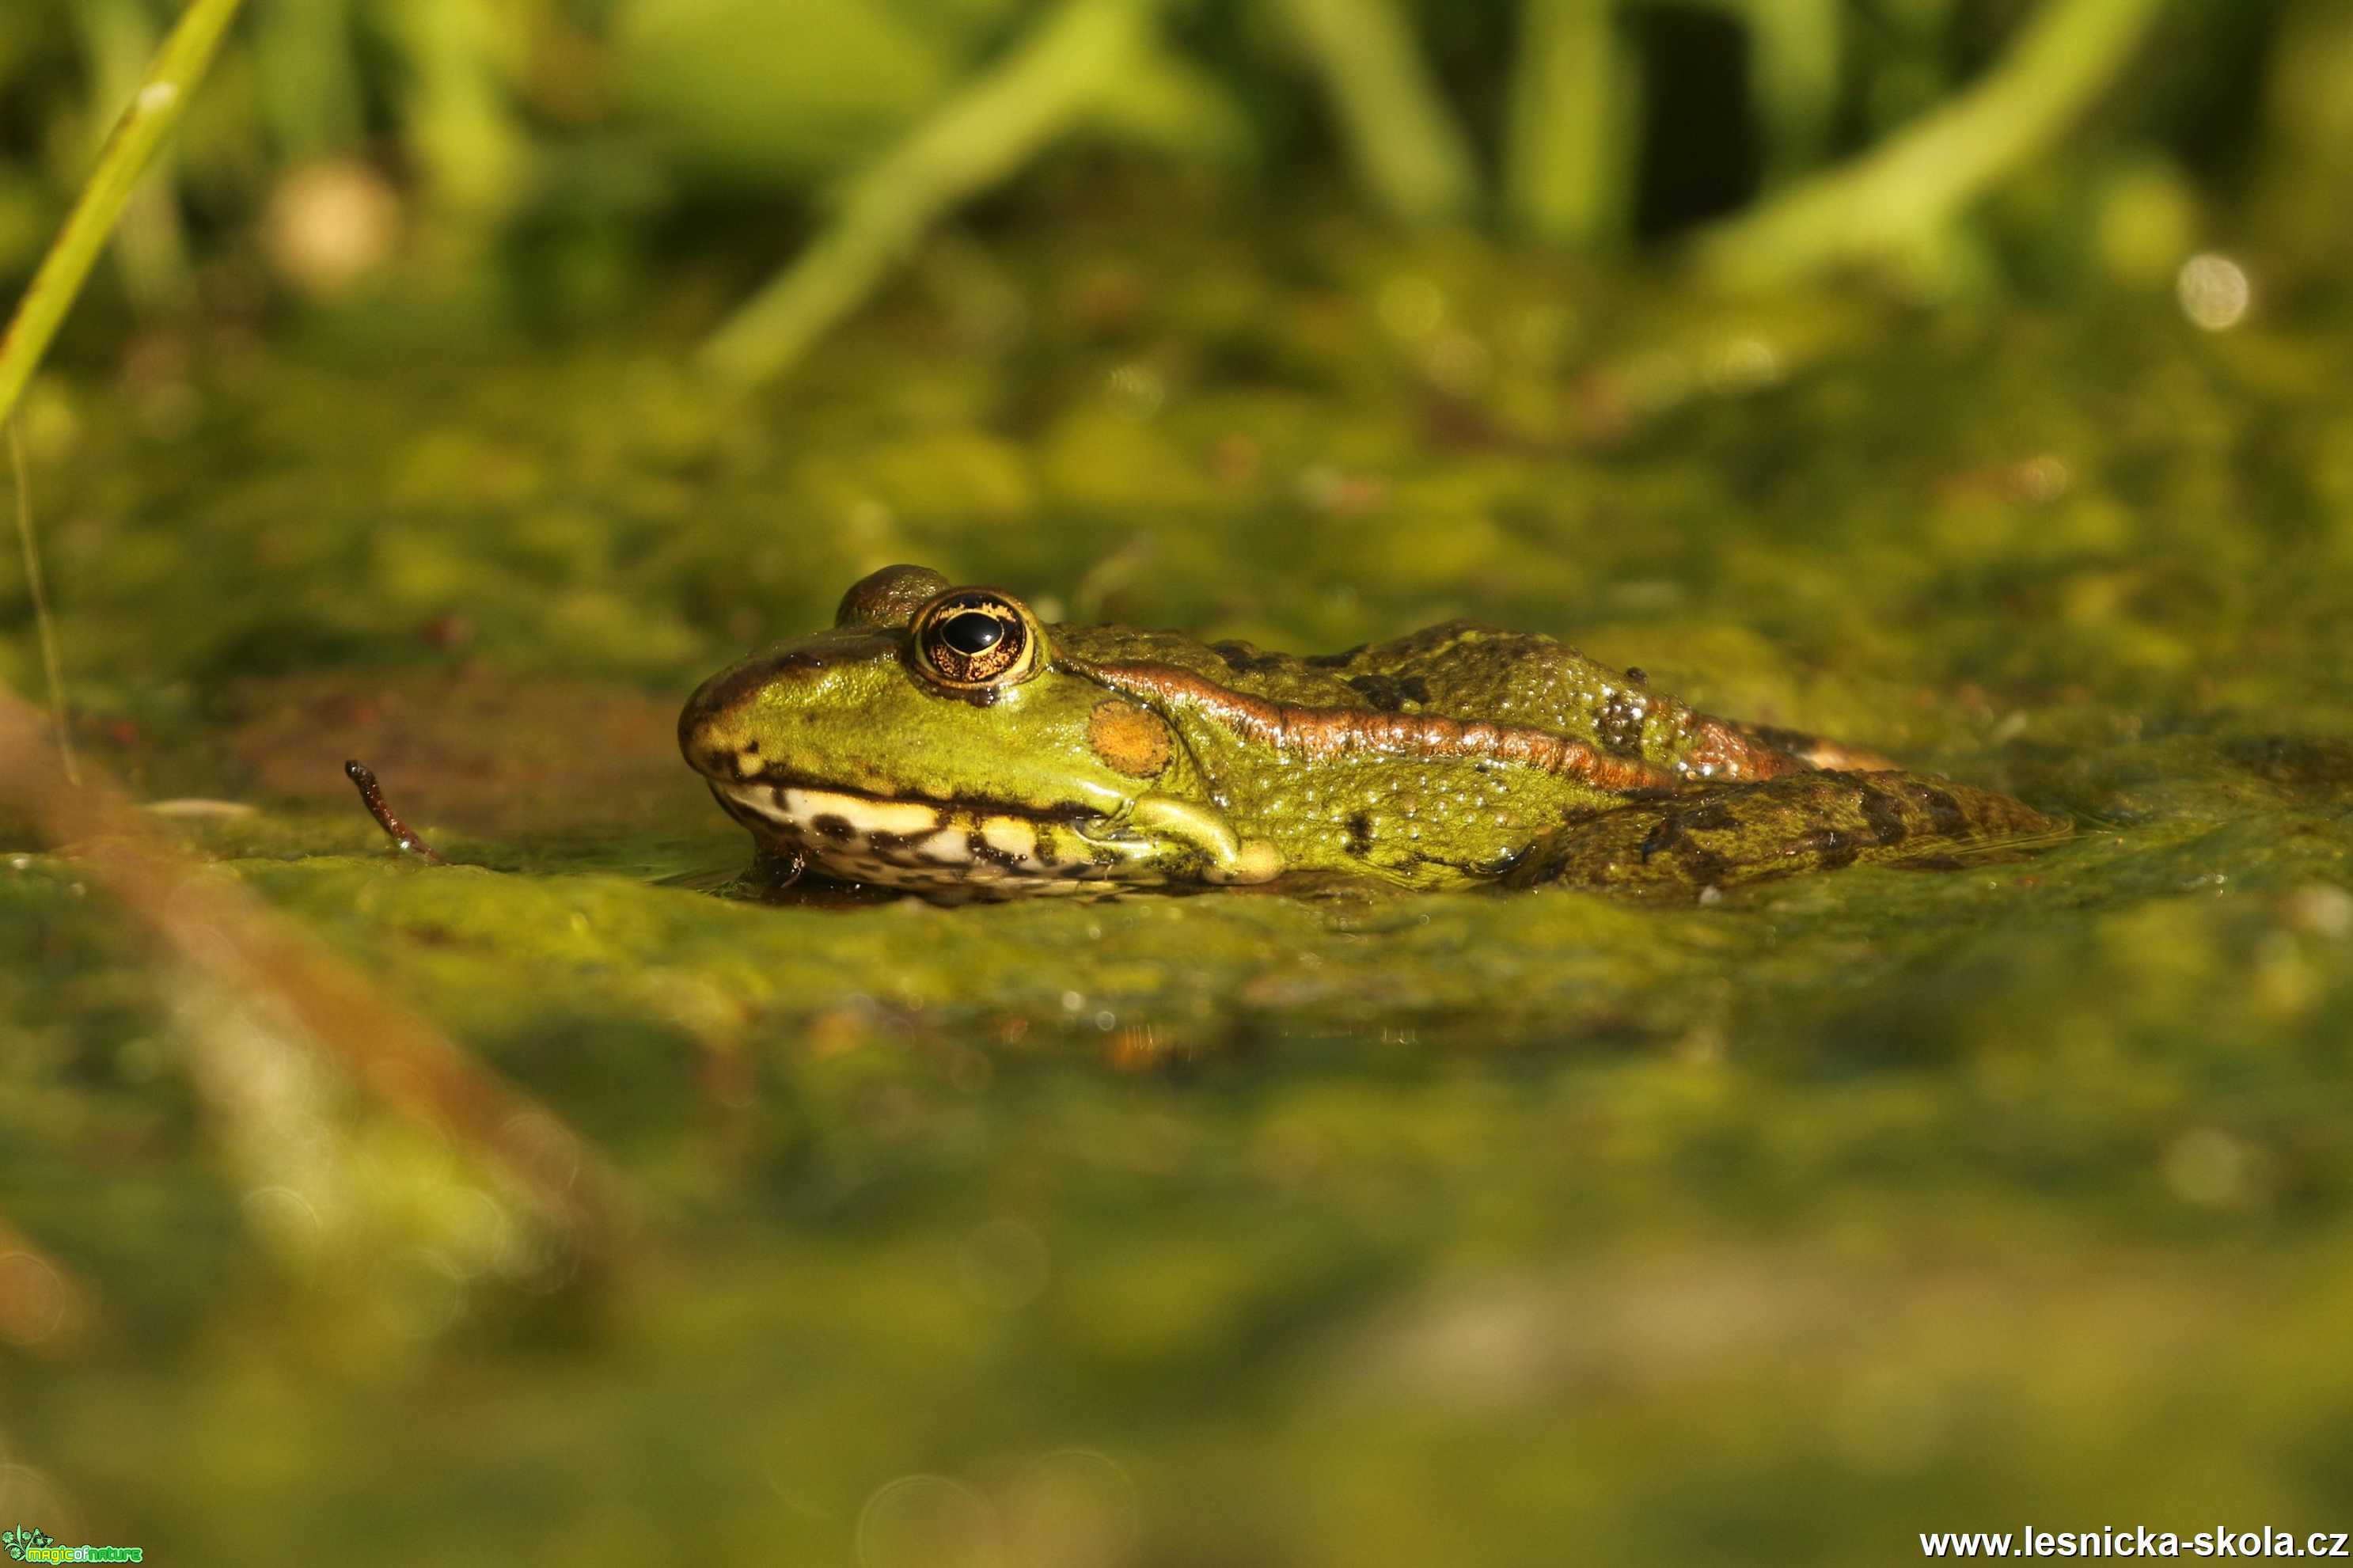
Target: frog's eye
(973,638)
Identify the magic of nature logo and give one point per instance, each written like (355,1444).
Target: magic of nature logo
(30,1543)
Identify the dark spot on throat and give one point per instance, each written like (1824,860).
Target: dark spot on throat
(976,844)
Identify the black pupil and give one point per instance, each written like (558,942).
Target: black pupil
(971,632)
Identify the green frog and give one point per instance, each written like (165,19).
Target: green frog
(943,739)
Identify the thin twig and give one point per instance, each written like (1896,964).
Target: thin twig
(44,626)
(404,838)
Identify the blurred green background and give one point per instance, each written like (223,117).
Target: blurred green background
(1964,378)
(578,154)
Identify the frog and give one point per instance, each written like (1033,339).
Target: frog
(945,740)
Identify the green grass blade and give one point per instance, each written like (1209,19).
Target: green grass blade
(1569,162)
(1052,81)
(1411,154)
(153,114)
(1895,200)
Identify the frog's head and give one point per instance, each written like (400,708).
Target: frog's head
(929,739)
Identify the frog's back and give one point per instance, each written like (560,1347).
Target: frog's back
(1485,674)
(1253,672)
(1459,670)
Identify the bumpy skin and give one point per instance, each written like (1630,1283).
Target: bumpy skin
(1720,834)
(877,752)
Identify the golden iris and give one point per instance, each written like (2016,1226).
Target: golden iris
(970,638)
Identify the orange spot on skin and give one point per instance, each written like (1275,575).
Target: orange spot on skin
(1130,738)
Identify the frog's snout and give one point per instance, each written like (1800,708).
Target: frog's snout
(714,729)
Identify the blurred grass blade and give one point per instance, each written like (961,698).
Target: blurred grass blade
(311,95)
(1408,148)
(454,103)
(45,627)
(162,99)
(151,248)
(1893,201)
(1795,47)
(1052,81)
(392,1052)
(1570,162)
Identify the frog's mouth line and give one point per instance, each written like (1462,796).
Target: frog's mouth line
(912,842)
(872,812)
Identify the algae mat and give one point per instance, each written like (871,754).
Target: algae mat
(1341,1229)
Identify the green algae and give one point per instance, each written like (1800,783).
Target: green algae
(1332,1227)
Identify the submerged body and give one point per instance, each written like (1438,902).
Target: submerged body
(943,739)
